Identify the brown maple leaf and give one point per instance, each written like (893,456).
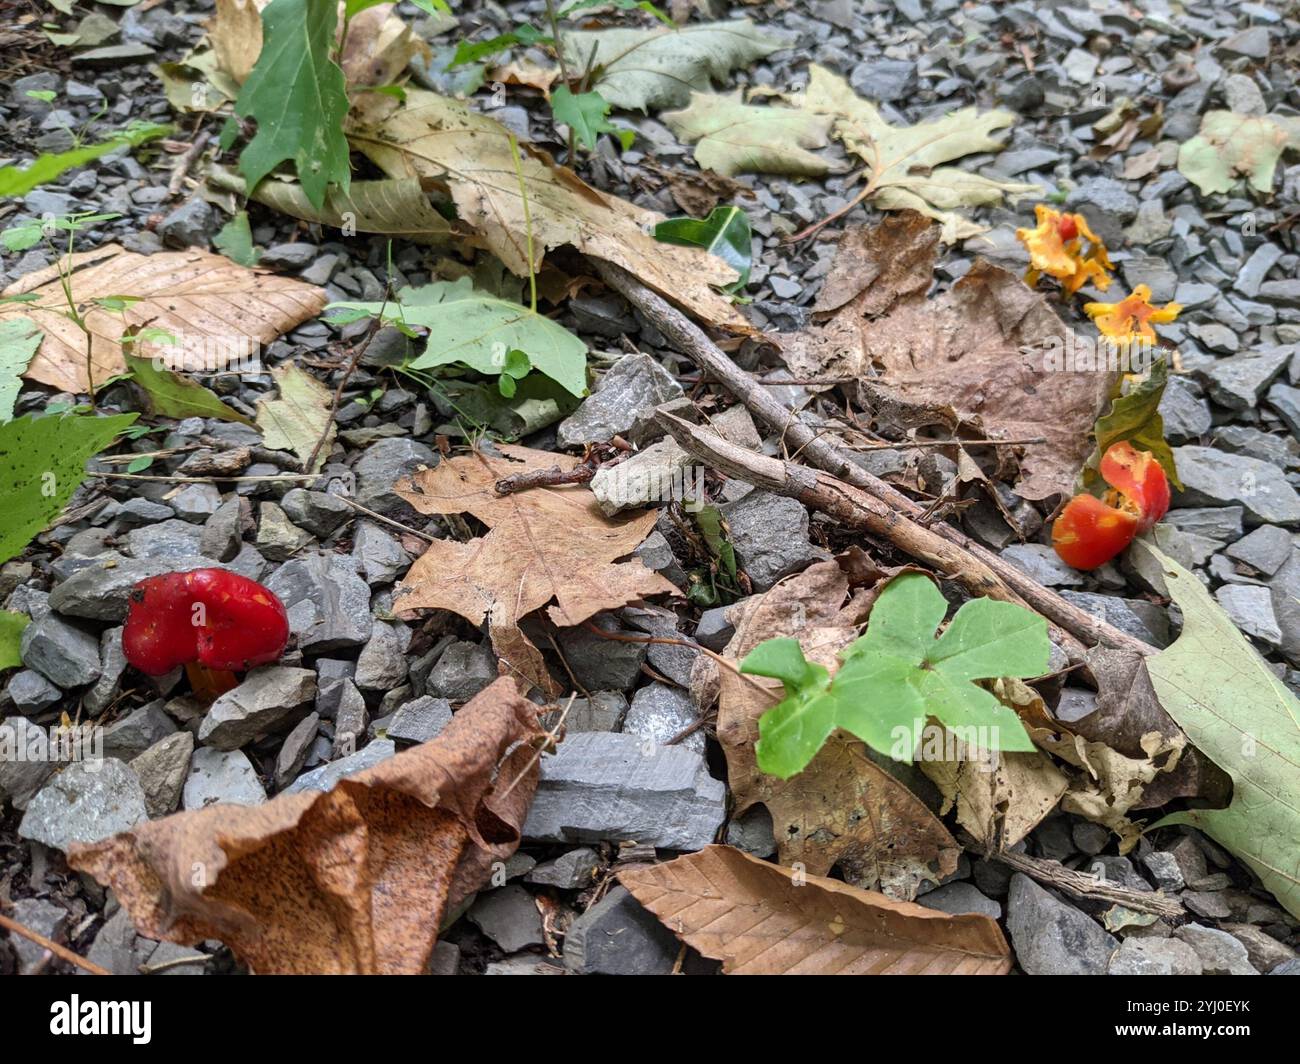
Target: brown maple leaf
(543,544)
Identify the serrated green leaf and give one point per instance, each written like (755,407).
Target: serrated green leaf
(298,416)
(42,462)
(725,233)
(473,51)
(1230,147)
(479,330)
(172,395)
(737,138)
(15,181)
(297,93)
(897,676)
(1243,718)
(235,241)
(19,339)
(587,114)
(1134,416)
(11,637)
(655,68)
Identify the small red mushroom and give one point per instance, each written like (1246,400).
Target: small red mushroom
(212,621)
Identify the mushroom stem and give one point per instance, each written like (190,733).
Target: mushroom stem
(209,684)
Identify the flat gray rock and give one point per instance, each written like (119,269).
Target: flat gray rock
(162,770)
(1051,937)
(327,602)
(629,390)
(221,776)
(619,936)
(1214,478)
(86,802)
(64,653)
(509,917)
(1154,956)
(770,535)
(608,786)
(659,712)
(100,590)
(420,720)
(325,777)
(268,697)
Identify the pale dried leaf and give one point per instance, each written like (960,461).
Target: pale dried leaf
(758,919)
(545,543)
(445,143)
(298,416)
(349,881)
(218,312)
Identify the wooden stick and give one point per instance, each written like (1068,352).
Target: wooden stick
(1085,885)
(980,571)
(895,516)
(62,952)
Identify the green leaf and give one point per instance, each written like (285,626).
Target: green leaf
(473,51)
(642,69)
(298,96)
(18,182)
(299,416)
(1134,416)
(139,465)
(737,138)
(478,330)
(1230,147)
(44,95)
(1244,719)
(19,339)
(898,676)
(11,636)
(587,114)
(725,232)
(42,462)
(173,395)
(235,241)
(538,401)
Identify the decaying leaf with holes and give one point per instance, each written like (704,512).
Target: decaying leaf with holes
(544,544)
(353,880)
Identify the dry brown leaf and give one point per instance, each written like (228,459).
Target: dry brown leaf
(349,881)
(524,71)
(987,353)
(1107,784)
(446,144)
(544,544)
(218,312)
(1126,711)
(998,801)
(843,809)
(235,32)
(758,919)
(377,49)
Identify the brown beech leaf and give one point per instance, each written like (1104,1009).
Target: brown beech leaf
(349,881)
(545,543)
(217,311)
(988,356)
(758,919)
(469,157)
(843,809)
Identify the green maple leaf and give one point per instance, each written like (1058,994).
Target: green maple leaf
(587,114)
(298,95)
(898,676)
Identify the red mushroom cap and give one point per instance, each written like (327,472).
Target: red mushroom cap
(218,618)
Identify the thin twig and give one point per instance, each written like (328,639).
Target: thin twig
(205,480)
(1084,885)
(187,160)
(388,520)
(62,952)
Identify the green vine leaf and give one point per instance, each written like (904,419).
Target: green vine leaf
(725,233)
(298,95)
(587,114)
(1134,416)
(898,676)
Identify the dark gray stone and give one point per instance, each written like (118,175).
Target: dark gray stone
(573,870)
(267,698)
(619,937)
(462,672)
(318,512)
(221,776)
(382,466)
(293,752)
(1051,937)
(420,720)
(1213,478)
(630,390)
(509,917)
(162,771)
(659,712)
(86,802)
(958,898)
(328,603)
(131,736)
(65,654)
(608,786)
(1265,550)
(770,535)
